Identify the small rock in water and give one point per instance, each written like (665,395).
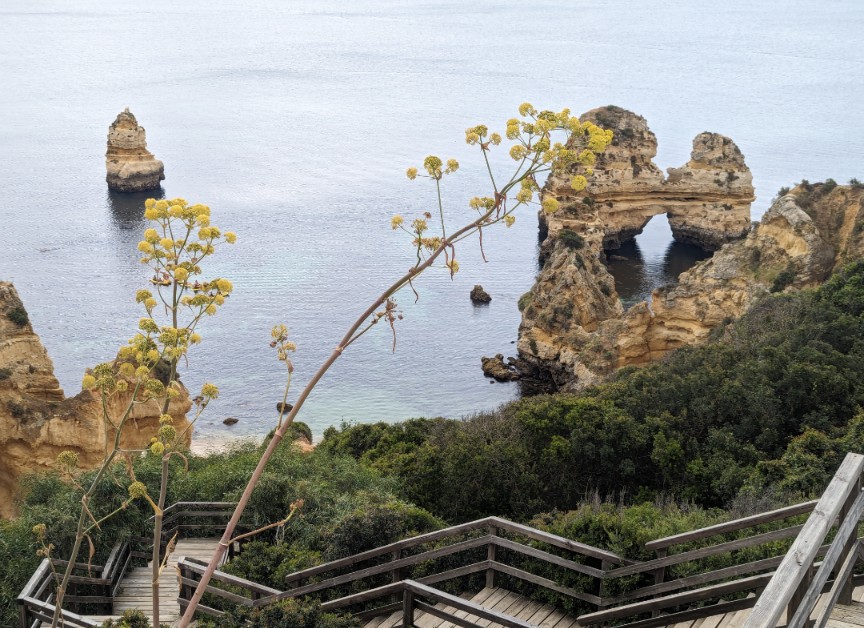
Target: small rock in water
(230,421)
(497,368)
(284,408)
(619,258)
(479,295)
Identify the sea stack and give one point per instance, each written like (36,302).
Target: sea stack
(131,167)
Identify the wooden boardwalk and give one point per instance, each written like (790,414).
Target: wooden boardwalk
(499,600)
(841,616)
(137,592)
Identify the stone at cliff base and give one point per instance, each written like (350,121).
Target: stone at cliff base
(230,421)
(479,295)
(131,167)
(284,408)
(498,369)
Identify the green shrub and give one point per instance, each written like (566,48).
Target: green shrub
(18,315)
(784,279)
(524,301)
(571,239)
(291,612)
(129,619)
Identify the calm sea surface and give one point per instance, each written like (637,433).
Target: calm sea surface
(295,120)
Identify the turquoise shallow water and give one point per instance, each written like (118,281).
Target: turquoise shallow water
(295,122)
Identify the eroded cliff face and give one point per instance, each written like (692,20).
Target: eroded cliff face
(37,421)
(804,237)
(131,167)
(572,319)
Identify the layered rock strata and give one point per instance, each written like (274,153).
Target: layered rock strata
(575,331)
(37,421)
(572,317)
(131,167)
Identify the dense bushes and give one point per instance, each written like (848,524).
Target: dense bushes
(342,500)
(700,425)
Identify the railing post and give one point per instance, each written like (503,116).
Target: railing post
(490,555)
(795,602)
(407,608)
(601,588)
(660,573)
(396,574)
(846,592)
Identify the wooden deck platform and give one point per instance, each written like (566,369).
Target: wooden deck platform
(137,592)
(500,600)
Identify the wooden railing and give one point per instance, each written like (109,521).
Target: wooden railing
(792,580)
(797,585)
(35,602)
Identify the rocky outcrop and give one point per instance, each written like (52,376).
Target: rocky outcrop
(498,369)
(479,296)
(707,200)
(131,167)
(572,318)
(37,422)
(572,330)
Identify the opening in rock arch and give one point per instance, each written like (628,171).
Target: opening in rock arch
(651,260)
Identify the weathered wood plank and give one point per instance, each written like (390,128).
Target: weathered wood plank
(801,555)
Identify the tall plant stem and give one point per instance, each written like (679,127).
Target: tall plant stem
(281,431)
(157,538)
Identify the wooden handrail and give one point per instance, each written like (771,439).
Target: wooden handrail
(798,562)
(835,553)
(732,526)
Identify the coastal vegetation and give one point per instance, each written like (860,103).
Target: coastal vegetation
(758,417)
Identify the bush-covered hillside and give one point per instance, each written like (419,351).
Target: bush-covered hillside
(774,398)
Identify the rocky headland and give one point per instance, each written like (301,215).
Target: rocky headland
(131,167)
(37,421)
(574,329)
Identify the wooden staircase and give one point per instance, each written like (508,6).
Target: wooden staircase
(495,599)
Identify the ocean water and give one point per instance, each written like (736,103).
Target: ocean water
(295,120)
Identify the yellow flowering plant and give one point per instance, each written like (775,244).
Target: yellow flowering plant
(177,243)
(543,142)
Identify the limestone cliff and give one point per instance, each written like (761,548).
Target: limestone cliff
(37,422)
(572,317)
(131,167)
(804,237)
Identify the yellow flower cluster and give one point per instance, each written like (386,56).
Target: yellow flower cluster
(396,222)
(550,205)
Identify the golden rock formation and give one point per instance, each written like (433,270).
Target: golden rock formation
(37,422)
(131,167)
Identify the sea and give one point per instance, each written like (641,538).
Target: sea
(295,120)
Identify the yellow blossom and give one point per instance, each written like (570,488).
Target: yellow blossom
(166,243)
(137,490)
(145,247)
(411,173)
(509,219)
(153,355)
(150,203)
(194,339)
(396,221)
(578,183)
(151,214)
(210,391)
(453,265)
(180,273)
(471,137)
(495,139)
(211,310)
(432,164)
(67,459)
(587,158)
(127,370)
(550,205)
(150,303)
(225,286)
(524,195)
(518,152)
(157,449)
(452,166)
(88,382)
(526,108)
(230,237)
